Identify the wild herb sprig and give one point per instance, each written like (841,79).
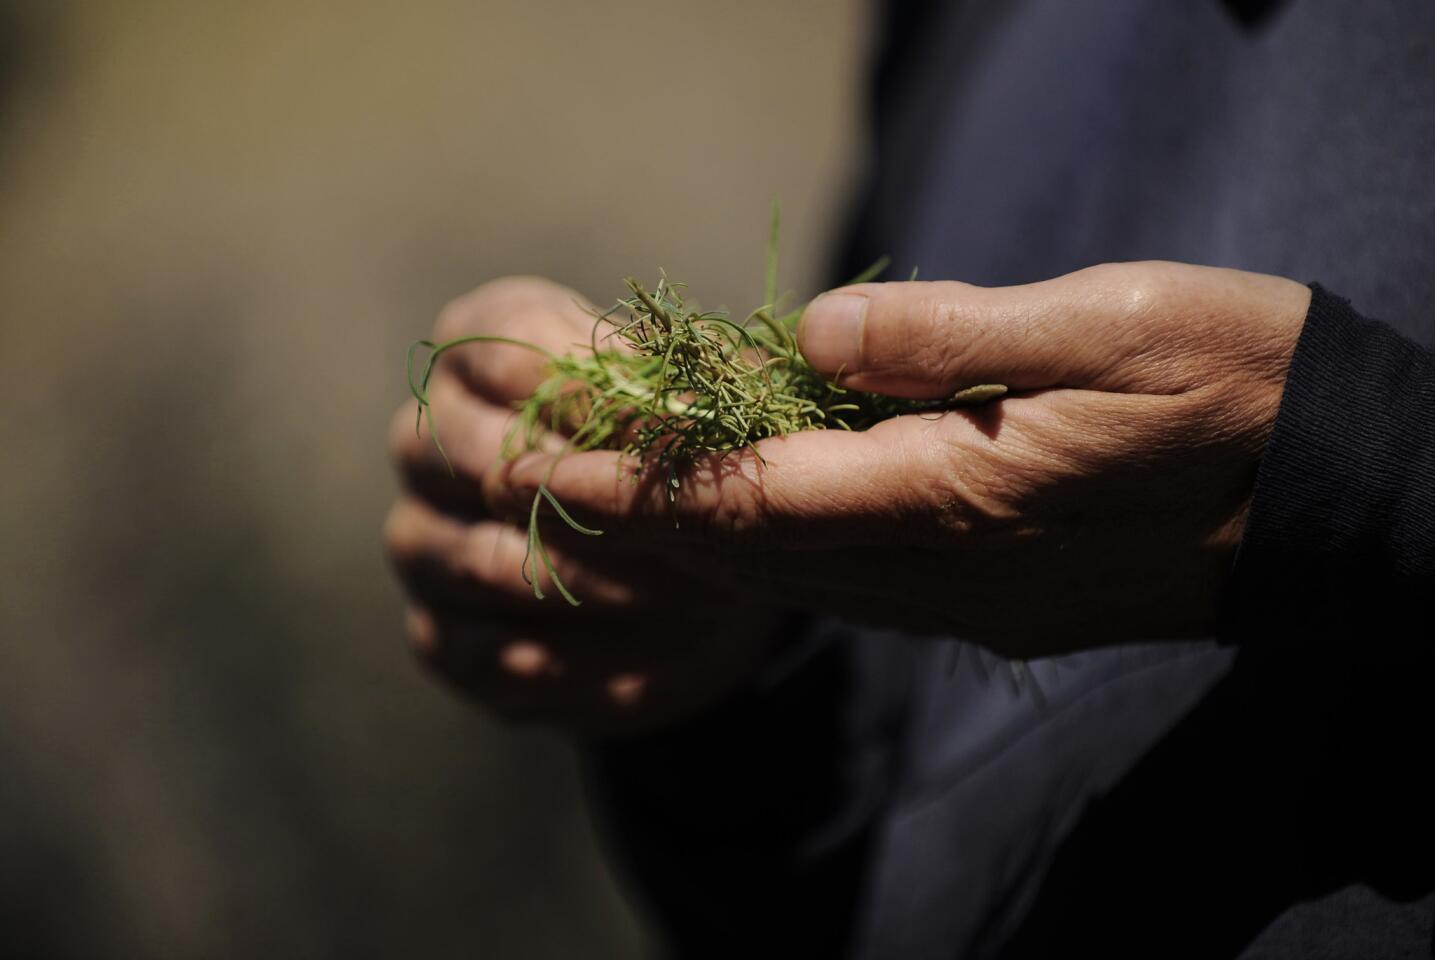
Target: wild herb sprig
(669,385)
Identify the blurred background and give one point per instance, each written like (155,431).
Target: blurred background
(220,225)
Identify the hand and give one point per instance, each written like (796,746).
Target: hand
(648,646)
(1102,501)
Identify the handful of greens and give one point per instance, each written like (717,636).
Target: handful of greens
(669,384)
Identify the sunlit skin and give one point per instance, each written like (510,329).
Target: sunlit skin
(1101,501)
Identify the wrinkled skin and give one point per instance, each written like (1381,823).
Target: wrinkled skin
(1101,501)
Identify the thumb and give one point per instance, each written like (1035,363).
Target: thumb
(927,340)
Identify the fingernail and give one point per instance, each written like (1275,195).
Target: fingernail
(831,332)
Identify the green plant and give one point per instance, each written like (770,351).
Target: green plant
(670,384)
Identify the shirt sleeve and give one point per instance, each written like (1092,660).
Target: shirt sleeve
(1340,539)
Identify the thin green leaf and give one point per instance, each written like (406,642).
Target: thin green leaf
(544,492)
(553,574)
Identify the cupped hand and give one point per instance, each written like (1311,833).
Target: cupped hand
(651,643)
(1102,500)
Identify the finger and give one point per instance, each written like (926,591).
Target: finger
(473,433)
(523,679)
(551,317)
(816,489)
(600,679)
(909,481)
(447,564)
(1103,328)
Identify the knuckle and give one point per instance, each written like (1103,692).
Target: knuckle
(1111,274)
(458,318)
(736,518)
(475,312)
(507,370)
(517,322)
(1143,294)
(971,493)
(971,503)
(528,321)
(1116,277)
(1131,291)
(732,526)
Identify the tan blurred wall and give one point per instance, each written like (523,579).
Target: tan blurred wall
(220,224)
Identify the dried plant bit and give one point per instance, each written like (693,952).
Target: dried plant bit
(973,396)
